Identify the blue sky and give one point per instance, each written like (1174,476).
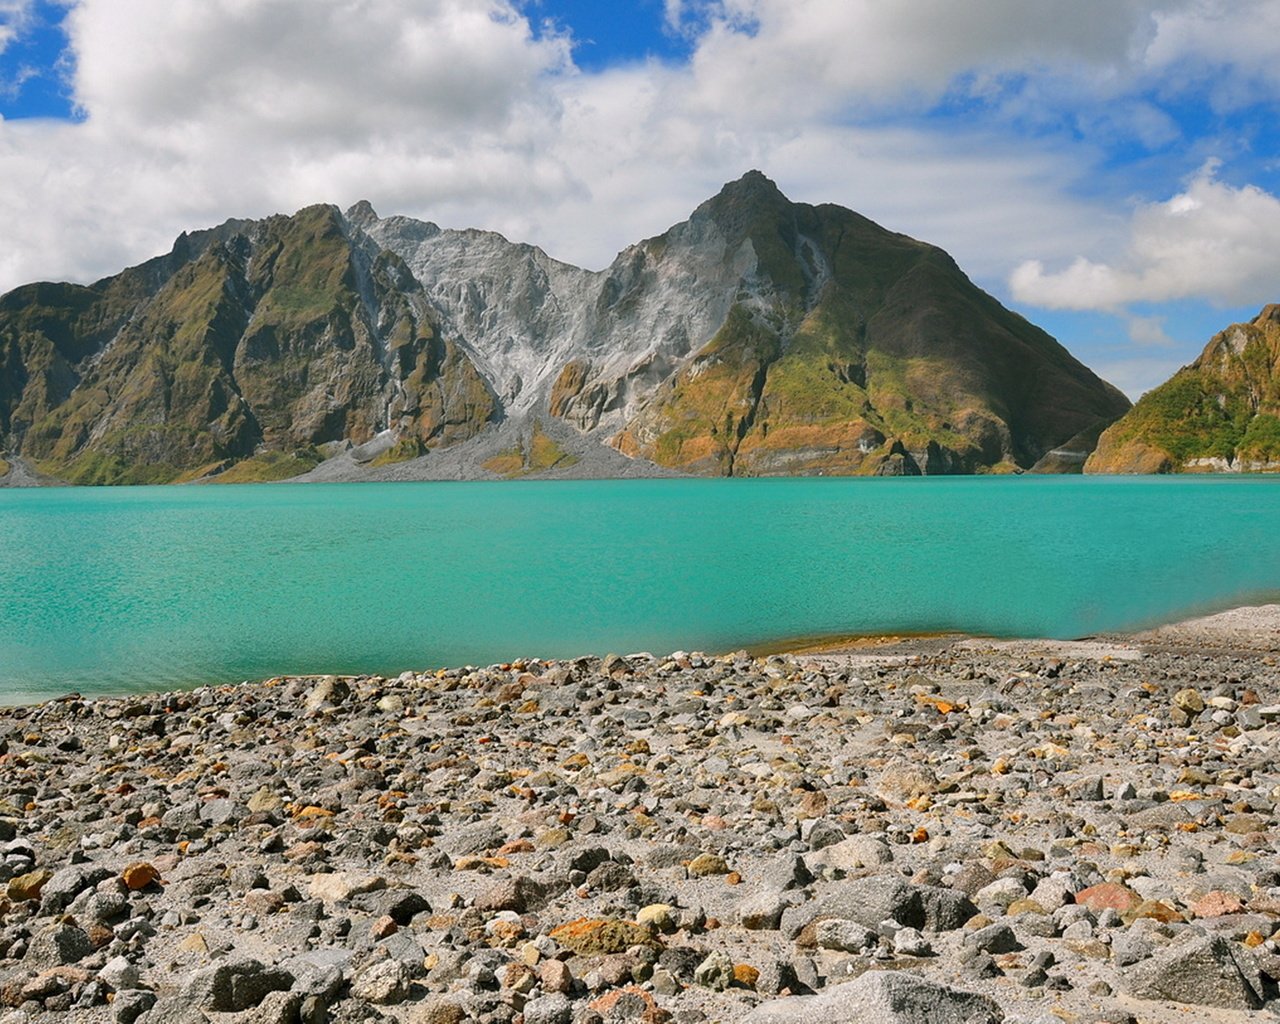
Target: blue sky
(1109,168)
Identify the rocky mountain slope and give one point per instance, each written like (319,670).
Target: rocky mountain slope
(759,337)
(246,347)
(1220,414)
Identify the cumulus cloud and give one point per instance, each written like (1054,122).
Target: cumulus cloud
(15,17)
(1194,42)
(457,111)
(1212,241)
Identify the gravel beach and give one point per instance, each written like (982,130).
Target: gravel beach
(950,830)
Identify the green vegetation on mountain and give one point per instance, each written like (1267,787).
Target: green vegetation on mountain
(1221,412)
(536,454)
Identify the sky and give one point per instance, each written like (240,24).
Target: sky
(1108,168)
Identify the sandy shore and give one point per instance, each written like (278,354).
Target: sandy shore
(1254,629)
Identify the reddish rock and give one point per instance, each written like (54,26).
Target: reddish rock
(1108,894)
(555,976)
(1217,903)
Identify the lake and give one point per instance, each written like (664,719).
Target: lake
(119,589)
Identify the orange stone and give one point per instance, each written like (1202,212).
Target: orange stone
(1108,894)
(745,975)
(139,875)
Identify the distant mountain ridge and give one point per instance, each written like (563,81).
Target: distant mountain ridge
(759,337)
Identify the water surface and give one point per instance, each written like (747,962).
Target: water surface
(114,589)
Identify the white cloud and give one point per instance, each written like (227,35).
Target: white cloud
(1212,242)
(1198,42)
(15,16)
(1149,331)
(453,110)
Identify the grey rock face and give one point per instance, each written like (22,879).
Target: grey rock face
(59,945)
(882,997)
(236,985)
(879,898)
(1204,971)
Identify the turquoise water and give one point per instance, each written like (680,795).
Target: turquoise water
(108,590)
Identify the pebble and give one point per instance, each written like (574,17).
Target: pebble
(689,838)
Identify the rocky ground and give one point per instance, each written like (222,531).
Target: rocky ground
(956,831)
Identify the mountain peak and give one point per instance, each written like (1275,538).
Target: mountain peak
(362,214)
(752,186)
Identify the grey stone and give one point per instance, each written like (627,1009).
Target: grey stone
(872,900)
(57,946)
(844,936)
(552,1009)
(762,911)
(119,974)
(234,985)
(995,938)
(944,909)
(131,1004)
(67,883)
(1205,971)
(883,997)
(275,1008)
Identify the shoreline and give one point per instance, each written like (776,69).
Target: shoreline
(1251,629)
(1242,628)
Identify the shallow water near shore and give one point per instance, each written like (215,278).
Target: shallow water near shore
(119,589)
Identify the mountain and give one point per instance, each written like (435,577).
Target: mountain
(247,346)
(1220,414)
(759,337)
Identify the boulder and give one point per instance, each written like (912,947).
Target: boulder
(883,997)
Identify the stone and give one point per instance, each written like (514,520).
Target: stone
(555,976)
(26,888)
(884,997)
(382,983)
(119,974)
(275,1008)
(59,945)
(843,936)
(994,938)
(518,893)
(340,886)
(239,984)
(1204,971)
(761,911)
(549,1009)
(660,916)
(708,864)
(857,853)
(594,937)
(905,781)
(129,1005)
(439,1010)
(330,690)
(1108,895)
(1188,701)
(139,875)
(715,972)
(868,901)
